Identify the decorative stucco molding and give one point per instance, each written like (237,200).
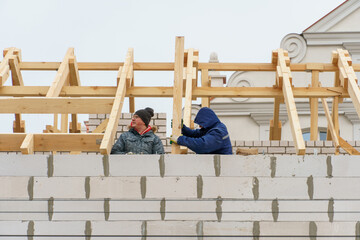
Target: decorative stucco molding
(295,44)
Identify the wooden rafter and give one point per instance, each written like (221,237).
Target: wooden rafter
(189,76)
(205,82)
(51,142)
(204,92)
(56,105)
(110,131)
(4,65)
(314,105)
(74,80)
(284,81)
(178,90)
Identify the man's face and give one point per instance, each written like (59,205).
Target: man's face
(136,121)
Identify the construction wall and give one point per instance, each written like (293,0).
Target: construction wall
(179,197)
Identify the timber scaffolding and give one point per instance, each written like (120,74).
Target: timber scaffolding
(66,96)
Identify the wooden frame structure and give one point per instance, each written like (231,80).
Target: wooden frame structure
(67,96)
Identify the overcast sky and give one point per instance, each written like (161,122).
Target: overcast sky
(102,31)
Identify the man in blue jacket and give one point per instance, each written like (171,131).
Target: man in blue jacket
(211,138)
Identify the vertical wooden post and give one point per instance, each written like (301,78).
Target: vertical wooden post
(314,106)
(178,90)
(205,101)
(275,124)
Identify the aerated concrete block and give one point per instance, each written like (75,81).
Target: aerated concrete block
(171,187)
(283,188)
(191,210)
(303,210)
(14,187)
(345,166)
(23,210)
(119,229)
(337,188)
(134,165)
(115,187)
(56,229)
(191,165)
(336,229)
(227,187)
(78,210)
(23,165)
(346,210)
(172,229)
(300,166)
(13,228)
(141,210)
(78,165)
(227,229)
(246,210)
(59,187)
(245,166)
(288,230)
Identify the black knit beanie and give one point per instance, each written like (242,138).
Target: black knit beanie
(145,114)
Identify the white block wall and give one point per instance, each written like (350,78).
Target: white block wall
(179,197)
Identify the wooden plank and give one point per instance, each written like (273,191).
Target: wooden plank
(131,99)
(110,131)
(56,105)
(205,82)
(11,142)
(347,147)
(107,91)
(290,104)
(275,123)
(331,127)
(4,66)
(314,112)
(64,123)
(18,124)
(27,146)
(188,90)
(177,95)
(169,66)
(74,71)
(61,76)
(17,79)
(102,127)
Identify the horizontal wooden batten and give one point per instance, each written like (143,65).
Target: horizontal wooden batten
(105,91)
(53,141)
(56,105)
(169,66)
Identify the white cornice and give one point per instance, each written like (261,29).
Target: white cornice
(334,17)
(331,38)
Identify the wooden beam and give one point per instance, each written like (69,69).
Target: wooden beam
(27,146)
(110,131)
(188,90)
(56,105)
(348,77)
(4,65)
(18,124)
(314,112)
(275,123)
(290,103)
(331,127)
(61,76)
(178,91)
(11,142)
(205,82)
(74,71)
(347,147)
(107,91)
(102,127)
(64,123)
(17,79)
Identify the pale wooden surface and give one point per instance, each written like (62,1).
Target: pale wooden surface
(178,91)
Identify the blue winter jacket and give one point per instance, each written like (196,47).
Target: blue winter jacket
(212,138)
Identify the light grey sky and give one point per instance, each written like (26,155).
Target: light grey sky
(102,31)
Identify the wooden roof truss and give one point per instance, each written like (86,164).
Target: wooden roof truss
(67,96)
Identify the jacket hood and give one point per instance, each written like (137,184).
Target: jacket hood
(206,118)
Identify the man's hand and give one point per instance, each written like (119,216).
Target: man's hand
(173,139)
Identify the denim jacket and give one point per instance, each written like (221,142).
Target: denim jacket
(132,142)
